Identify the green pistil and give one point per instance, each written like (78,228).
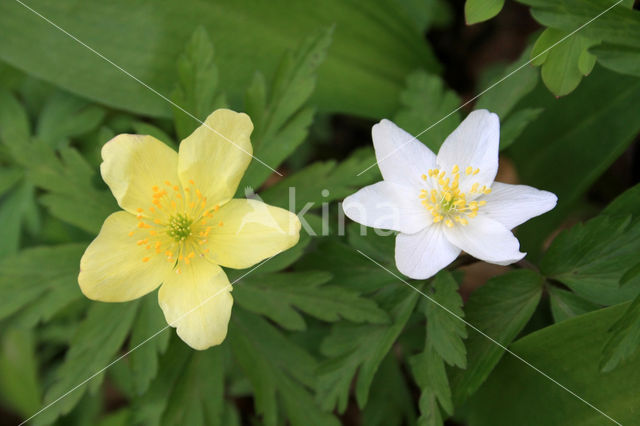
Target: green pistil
(179,227)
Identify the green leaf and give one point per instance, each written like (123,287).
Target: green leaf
(481,10)
(625,204)
(197,89)
(19,383)
(13,212)
(591,259)
(425,102)
(619,25)
(146,41)
(446,332)
(349,268)
(94,345)
(515,124)
(14,122)
(69,182)
(149,339)
(198,395)
(624,338)
(322,182)
(566,305)
(631,275)
(568,352)
(278,295)
(390,402)
(500,309)
(361,348)
(282,118)
(429,370)
(41,274)
(9,176)
(66,116)
(621,59)
(278,370)
(573,155)
(501,93)
(565,61)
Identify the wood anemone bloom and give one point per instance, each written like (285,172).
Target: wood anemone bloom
(180,223)
(446,203)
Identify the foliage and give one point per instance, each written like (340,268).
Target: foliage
(328,332)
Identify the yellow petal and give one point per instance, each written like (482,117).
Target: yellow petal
(216,155)
(198,303)
(133,164)
(251,231)
(112,267)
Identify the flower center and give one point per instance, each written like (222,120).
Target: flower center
(176,225)
(446,201)
(179,227)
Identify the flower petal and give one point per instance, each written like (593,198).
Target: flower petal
(251,231)
(474,143)
(402,159)
(422,255)
(216,155)
(512,205)
(112,267)
(198,303)
(385,205)
(133,164)
(486,239)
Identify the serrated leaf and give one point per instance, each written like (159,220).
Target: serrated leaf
(425,103)
(343,261)
(65,116)
(361,348)
(69,182)
(624,338)
(13,211)
(429,370)
(565,304)
(481,10)
(322,182)
(148,342)
(94,345)
(632,275)
(500,308)
(278,369)
(591,258)
(197,89)
(446,332)
(283,119)
(277,296)
(39,274)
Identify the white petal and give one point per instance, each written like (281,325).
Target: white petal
(402,159)
(512,205)
(385,205)
(422,255)
(474,143)
(486,239)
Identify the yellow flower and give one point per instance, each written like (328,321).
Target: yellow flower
(179,223)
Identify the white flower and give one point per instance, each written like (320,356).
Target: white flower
(443,204)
